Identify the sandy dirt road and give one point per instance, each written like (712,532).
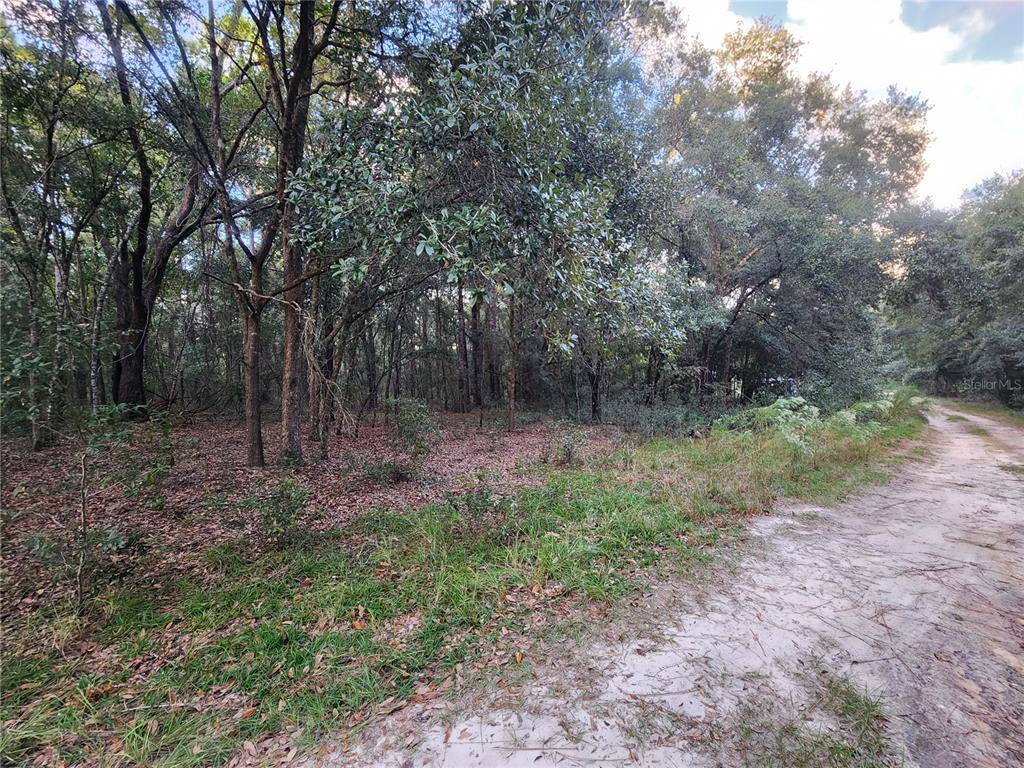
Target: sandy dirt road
(912,591)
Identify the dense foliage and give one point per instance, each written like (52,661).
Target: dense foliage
(313,208)
(957,307)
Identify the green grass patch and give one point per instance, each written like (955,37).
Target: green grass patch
(979,431)
(318,636)
(841,726)
(956,417)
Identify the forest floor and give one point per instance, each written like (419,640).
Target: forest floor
(202,503)
(885,631)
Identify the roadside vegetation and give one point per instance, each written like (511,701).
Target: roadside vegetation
(991,410)
(322,633)
(838,725)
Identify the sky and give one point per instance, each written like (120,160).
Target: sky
(965,58)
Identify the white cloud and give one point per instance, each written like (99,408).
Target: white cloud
(977,107)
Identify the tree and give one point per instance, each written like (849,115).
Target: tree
(782,182)
(954,307)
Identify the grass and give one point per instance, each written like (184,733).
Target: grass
(840,726)
(956,417)
(320,637)
(979,431)
(992,410)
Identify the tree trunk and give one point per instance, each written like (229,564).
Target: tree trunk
(33,394)
(443,359)
(493,360)
(727,369)
(291,406)
(253,417)
(95,386)
(55,392)
(653,375)
(131,370)
(463,353)
(595,372)
(478,353)
(370,351)
(293,143)
(512,363)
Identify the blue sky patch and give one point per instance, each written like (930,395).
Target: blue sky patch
(756,9)
(995,30)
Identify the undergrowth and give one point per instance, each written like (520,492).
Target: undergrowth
(317,637)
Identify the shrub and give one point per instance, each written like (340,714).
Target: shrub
(564,447)
(410,437)
(794,419)
(661,419)
(388,471)
(136,455)
(412,430)
(786,411)
(279,512)
(113,451)
(104,554)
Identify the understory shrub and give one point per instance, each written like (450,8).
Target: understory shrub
(795,420)
(661,419)
(113,451)
(279,511)
(388,472)
(411,434)
(564,447)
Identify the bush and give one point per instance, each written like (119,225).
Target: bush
(137,455)
(279,512)
(659,420)
(792,412)
(105,554)
(388,472)
(794,419)
(114,450)
(410,436)
(564,447)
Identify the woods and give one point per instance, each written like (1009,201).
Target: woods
(363,362)
(296,211)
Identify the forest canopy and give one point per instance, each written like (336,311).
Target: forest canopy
(308,210)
